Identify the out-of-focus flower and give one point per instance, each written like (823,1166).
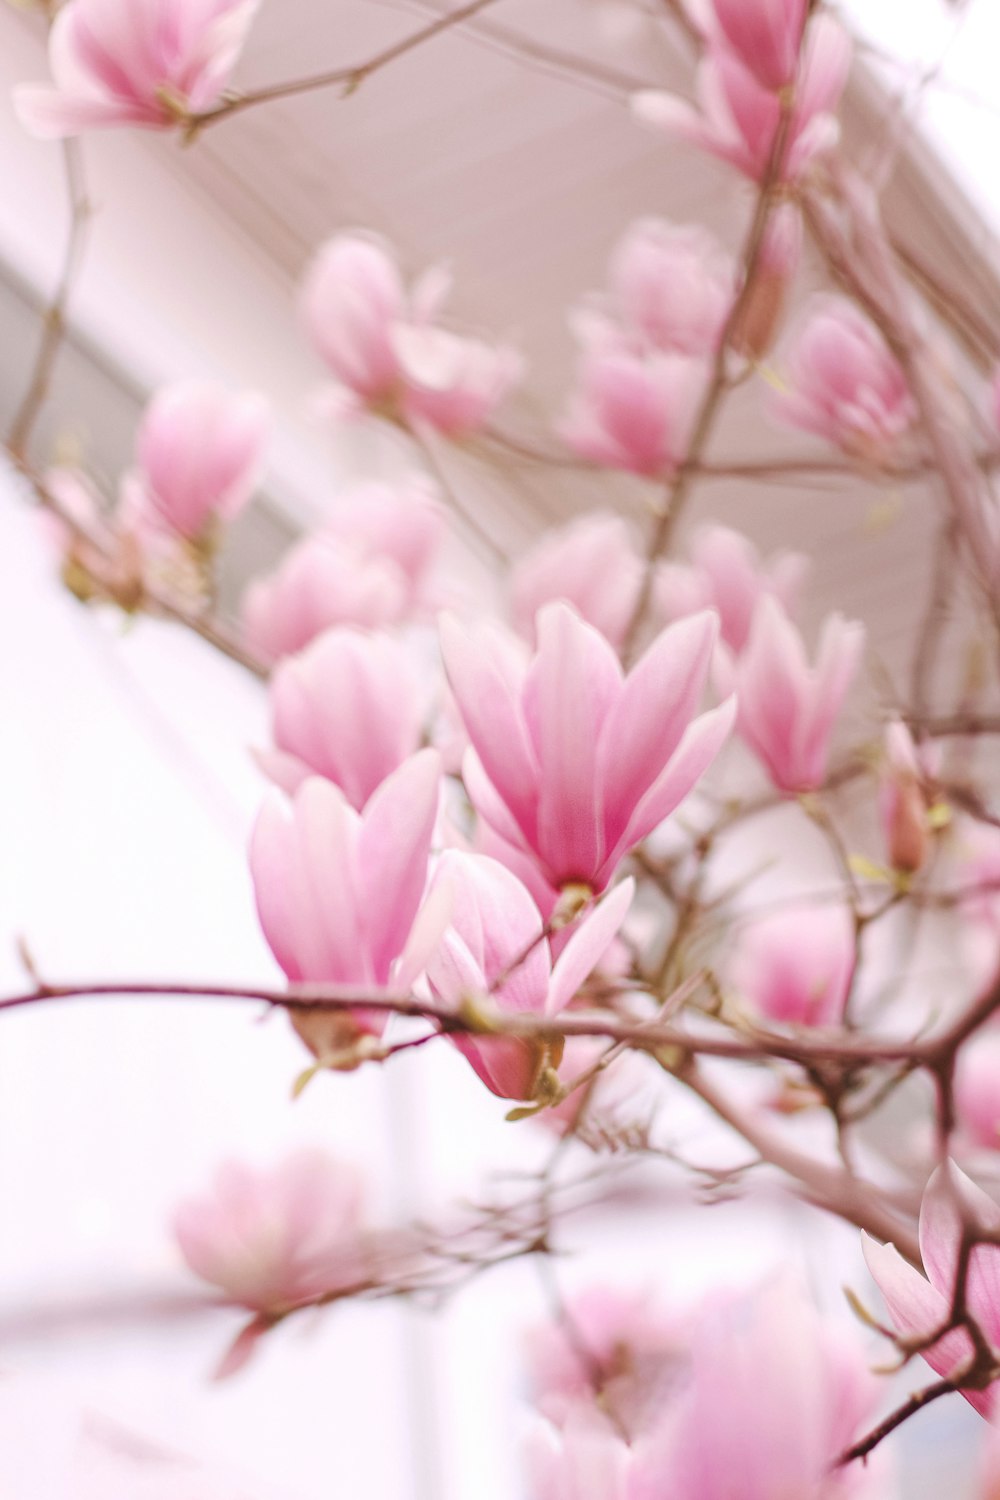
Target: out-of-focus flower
(633,411)
(347,708)
(671,287)
(150,63)
(797,966)
(787,709)
(765,35)
(844,384)
(338,892)
(572,761)
(199,453)
(271,1240)
(726,573)
(591,563)
(496,930)
(386,348)
(760,314)
(977,1089)
(920,1304)
(737,118)
(905,796)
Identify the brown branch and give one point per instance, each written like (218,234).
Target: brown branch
(909,1408)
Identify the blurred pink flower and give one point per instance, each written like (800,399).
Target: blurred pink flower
(573,761)
(905,794)
(726,573)
(977,1089)
(920,1304)
(271,1240)
(737,118)
(787,709)
(144,62)
(796,966)
(844,385)
(765,35)
(450,382)
(592,563)
(494,923)
(633,411)
(199,454)
(348,707)
(338,892)
(671,287)
(352,299)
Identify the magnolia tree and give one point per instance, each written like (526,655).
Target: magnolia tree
(518,842)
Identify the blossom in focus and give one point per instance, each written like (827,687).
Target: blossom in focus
(494,923)
(726,573)
(199,453)
(737,118)
(844,384)
(788,709)
(573,761)
(977,1089)
(919,1304)
(671,287)
(149,63)
(592,563)
(385,347)
(797,966)
(633,410)
(348,707)
(764,34)
(905,794)
(338,891)
(272,1239)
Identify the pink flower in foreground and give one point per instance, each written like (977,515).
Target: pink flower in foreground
(572,760)
(671,286)
(737,118)
(633,411)
(844,385)
(494,923)
(765,35)
(787,709)
(919,1304)
(338,892)
(726,573)
(347,708)
(270,1240)
(199,453)
(146,63)
(977,1089)
(592,563)
(797,966)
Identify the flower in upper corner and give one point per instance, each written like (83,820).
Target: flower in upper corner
(633,410)
(920,1304)
(797,966)
(737,117)
(272,1240)
(592,563)
(495,923)
(151,63)
(845,385)
(726,573)
(572,761)
(338,892)
(199,453)
(787,709)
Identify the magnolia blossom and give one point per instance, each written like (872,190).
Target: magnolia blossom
(904,796)
(843,383)
(920,1304)
(199,453)
(144,62)
(270,1240)
(573,761)
(633,410)
(765,35)
(797,965)
(737,117)
(495,946)
(671,287)
(977,1089)
(338,891)
(592,563)
(726,573)
(349,708)
(787,709)
(385,348)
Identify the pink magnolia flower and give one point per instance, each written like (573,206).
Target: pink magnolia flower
(270,1240)
(797,966)
(592,563)
(199,453)
(765,35)
(671,286)
(726,573)
(905,794)
(352,299)
(338,891)
(349,708)
(494,923)
(573,761)
(787,709)
(453,383)
(146,63)
(737,118)
(977,1089)
(633,411)
(920,1304)
(844,385)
